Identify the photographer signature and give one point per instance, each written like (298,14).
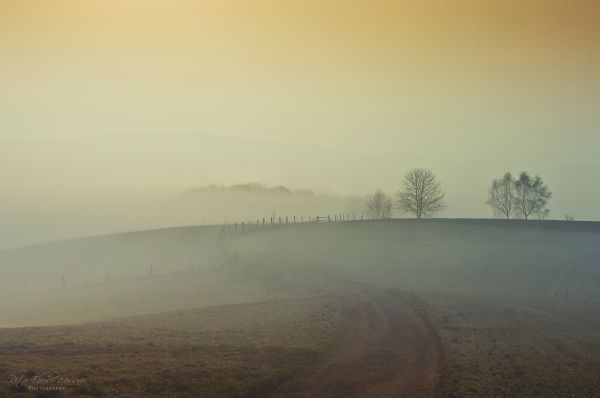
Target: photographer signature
(45,379)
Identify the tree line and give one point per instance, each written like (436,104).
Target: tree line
(421,195)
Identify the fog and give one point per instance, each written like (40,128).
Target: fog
(114,183)
(173,173)
(110,110)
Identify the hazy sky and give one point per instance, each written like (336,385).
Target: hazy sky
(105,99)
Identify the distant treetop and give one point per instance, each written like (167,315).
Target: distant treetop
(253,187)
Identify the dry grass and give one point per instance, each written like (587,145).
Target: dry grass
(517,348)
(233,351)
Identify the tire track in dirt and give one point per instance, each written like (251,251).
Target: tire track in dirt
(388,350)
(388,347)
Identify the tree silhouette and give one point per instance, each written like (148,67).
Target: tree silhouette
(532,196)
(421,194)
(502,196)
(379,205)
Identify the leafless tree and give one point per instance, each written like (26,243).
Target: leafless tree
(501,195)
(379,204)
(421,194)
(532,196)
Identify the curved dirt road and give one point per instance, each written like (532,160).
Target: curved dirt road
(388,347)
(389,350)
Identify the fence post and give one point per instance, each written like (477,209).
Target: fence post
(329,217)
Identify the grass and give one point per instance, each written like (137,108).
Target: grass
(517,348)
(233,351)
(515,305)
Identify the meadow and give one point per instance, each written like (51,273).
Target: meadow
(461,308)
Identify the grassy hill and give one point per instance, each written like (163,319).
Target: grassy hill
(515,304)
(551,260)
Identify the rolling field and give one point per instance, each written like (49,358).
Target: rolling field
(515,304)
(399,308)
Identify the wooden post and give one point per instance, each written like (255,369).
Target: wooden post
(64,283)
(286,219)
(280,220)
(329,217)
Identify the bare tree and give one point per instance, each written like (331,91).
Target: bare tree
(379,205)
(532,196)
(501,195)
(421,194)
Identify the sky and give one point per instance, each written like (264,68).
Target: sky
(107,101)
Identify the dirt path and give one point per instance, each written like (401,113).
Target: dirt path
(388,347)
(389,350)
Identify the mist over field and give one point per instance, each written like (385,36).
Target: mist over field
(58,189)
(299,199)
(111,109)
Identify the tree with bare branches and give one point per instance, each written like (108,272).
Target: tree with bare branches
(379,205)
(421,194)
(532,196)
(501,195)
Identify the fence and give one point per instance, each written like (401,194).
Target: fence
(263,223)
(65,283)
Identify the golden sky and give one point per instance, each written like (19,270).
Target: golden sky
(292,69)
(444,84)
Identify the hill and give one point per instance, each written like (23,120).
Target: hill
(490,308)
